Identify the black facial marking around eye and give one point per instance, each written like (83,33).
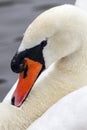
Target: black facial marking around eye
(44,43)
(34,53)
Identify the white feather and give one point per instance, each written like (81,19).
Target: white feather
(82,4)
(69,113)
(65,56)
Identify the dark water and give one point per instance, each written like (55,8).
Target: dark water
(15,16)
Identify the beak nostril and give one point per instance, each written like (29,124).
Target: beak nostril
(13,100)
(25,71)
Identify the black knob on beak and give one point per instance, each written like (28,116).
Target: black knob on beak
(17,63)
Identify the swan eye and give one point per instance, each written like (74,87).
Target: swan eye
(44,43)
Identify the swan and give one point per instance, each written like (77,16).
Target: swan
(69,113)
(52,58)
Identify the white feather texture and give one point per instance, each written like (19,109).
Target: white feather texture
(65,55)
(82,4)
(67,114)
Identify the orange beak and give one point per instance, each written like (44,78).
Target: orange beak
(26,81)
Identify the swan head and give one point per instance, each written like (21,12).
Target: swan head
(32,48)
(44,42)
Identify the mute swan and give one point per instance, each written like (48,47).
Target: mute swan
(56,43)
(70,113)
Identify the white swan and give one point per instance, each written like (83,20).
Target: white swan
(59,35)
(67,114)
